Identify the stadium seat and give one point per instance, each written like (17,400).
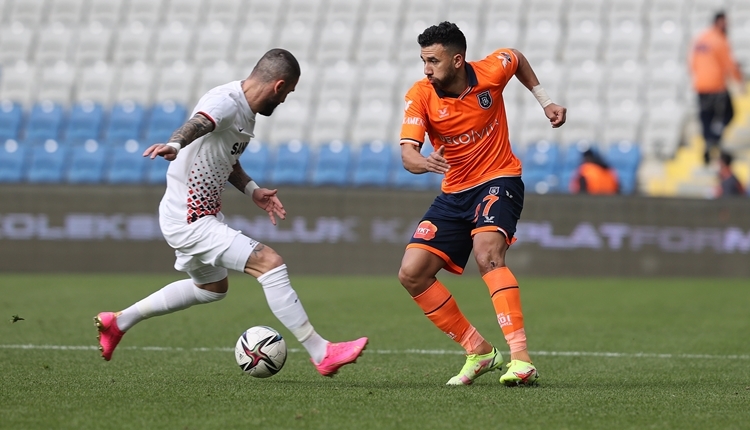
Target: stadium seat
(164,119)
(133,43)
(212,76)
(383,9)
(290,164)
(403,178)
(256,160)
(624,156)
(583,41)
(378,81)
(624,82)
(15,43)
(18,84)
(127,165)
(585,9)
(332,164)
(53,45)
(263,10)
(95,84)
(94,41)
(544,10)
(86,163)
(213,43)
(156,170)
(346,10)
(305,10)
(135,84)
(173,43)
(45,121)
(47,162)
(666,42)
(84,122)
(125,123)
(289,121)
(377,40)
(187,12)
(541,157)
(67,12)
(330,120)
(372,165)
(540,182)
(374,121)
(254,39)
(56,83)
(573,154)
(106,12)
(584,83)
(622,122)
(227,11)
(11,116)
(662,130)
(500,31)
(13,158)
(336,40)
(625,41)
(176,83)
(297,36)
(29,12)
(542,41)
(627,182)
(147,12)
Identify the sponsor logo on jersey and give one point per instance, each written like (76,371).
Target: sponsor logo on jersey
(485,99)
(506,58)
(413,120)
(239,147)
(425,230)
(407,104)
(443,112)
(470,136)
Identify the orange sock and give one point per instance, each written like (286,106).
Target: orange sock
(506,298)
(440,307)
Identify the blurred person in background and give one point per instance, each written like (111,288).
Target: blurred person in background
(204,156)
(712,65)
(459,105)
(594,176)
(729,185)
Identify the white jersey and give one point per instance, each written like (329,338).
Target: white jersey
(196,178)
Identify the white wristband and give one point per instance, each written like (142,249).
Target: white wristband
(176,145)
(250,187)
(541,96)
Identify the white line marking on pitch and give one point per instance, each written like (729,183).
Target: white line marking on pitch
(401,351)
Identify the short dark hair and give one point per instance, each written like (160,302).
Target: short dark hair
(447,34)
(277,64)
(719,15)
(726,158)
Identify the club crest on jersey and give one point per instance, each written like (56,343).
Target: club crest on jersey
(485,99)
(494,190)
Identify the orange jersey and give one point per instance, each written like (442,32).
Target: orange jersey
(711,62)
(472,126)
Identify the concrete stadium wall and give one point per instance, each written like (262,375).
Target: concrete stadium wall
(361,231)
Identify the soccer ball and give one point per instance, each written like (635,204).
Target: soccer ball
(260,351)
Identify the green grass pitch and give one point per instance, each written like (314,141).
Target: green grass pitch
(680,358)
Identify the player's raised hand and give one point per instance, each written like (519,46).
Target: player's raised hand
(436,163)
(161,149)
(556,114)
(266,199)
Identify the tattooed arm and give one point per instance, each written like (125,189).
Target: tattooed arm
(239,178)
(195,127)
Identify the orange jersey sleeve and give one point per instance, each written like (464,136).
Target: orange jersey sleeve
(711,62)
(472,126)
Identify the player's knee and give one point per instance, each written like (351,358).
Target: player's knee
(488,260)
(219,290)
(411,280)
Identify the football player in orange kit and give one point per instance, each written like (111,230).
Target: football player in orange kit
(460,106)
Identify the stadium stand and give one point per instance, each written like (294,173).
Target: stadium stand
(290,166)
(110,67)
(87,163)
(47,162)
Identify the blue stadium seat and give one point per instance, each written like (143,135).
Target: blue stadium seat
(290,166)
(85,122)
(256,161)
(165,118)
(402,178)
(12,160)
(566,175)
(125,123)
(44,123)
(627,181)
(541,157)
(11,116)
(540,182)
(573,154)
(87,163)
(127,166)
(624,156)
(372,166)
(47,162)
(332,164)
(156,171)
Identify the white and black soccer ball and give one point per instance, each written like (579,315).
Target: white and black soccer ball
(260,351)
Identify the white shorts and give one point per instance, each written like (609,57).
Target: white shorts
(206,248)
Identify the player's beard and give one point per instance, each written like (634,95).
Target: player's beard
(444,83)
(268,107)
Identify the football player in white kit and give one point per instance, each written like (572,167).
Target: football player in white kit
(204,155)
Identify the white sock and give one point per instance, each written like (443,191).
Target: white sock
(174,297)
(283,301)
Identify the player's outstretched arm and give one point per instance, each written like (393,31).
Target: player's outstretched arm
(417,163)
(525,74)
(263,197)
(194,128)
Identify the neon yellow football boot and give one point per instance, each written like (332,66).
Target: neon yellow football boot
(519,373)
(477,365)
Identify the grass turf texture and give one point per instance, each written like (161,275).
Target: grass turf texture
(189,389)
